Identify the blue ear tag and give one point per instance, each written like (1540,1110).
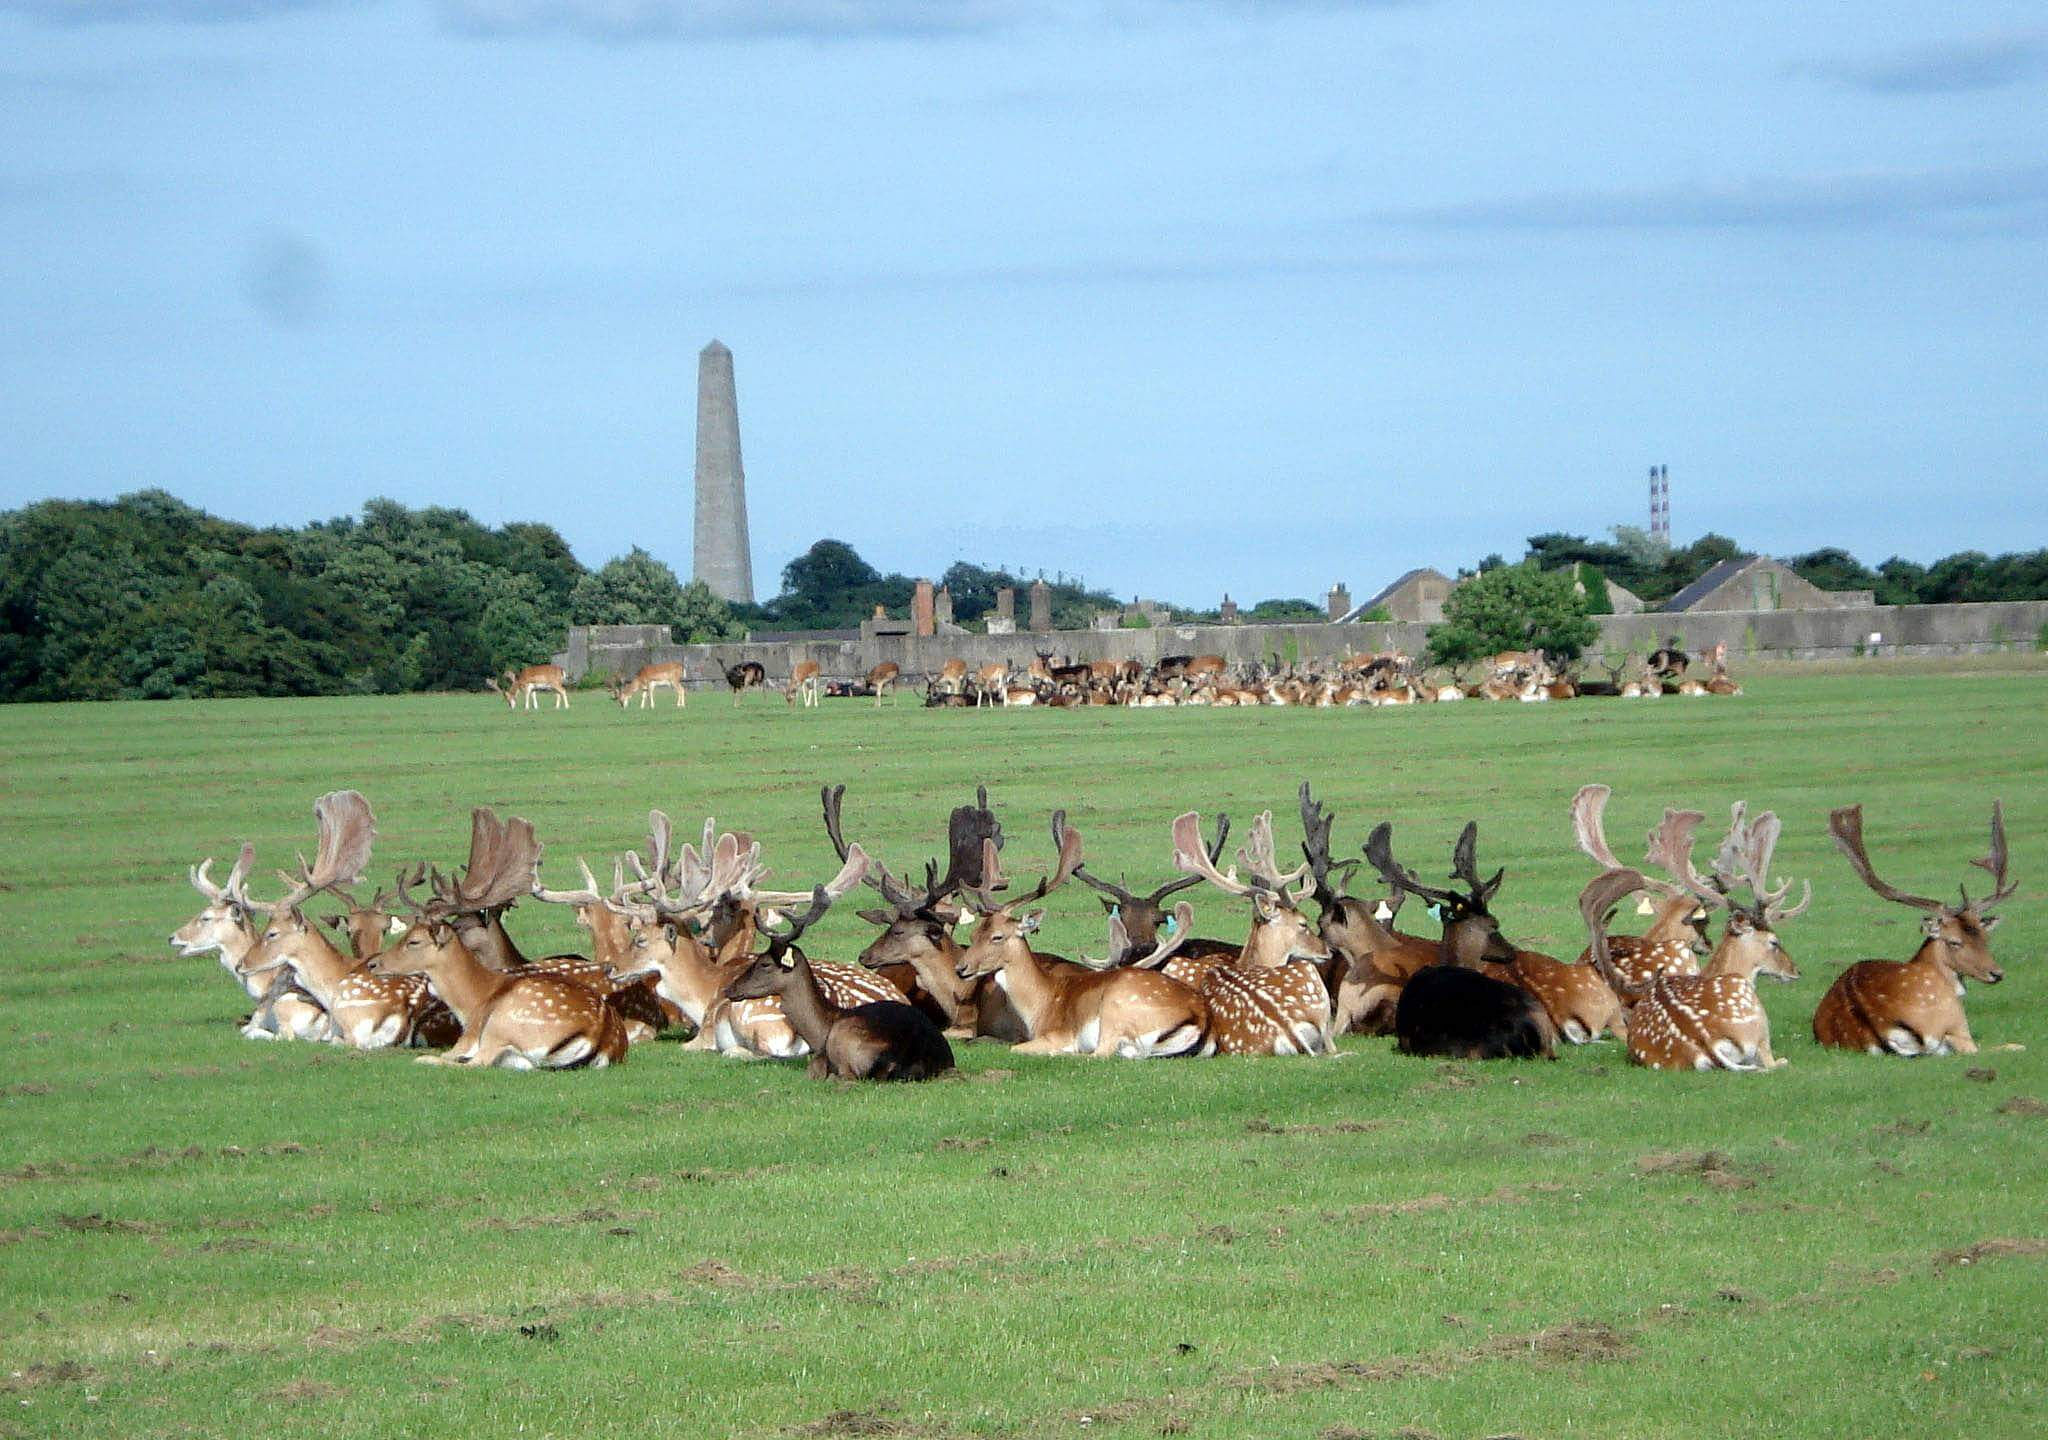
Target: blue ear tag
(1115,910)
(1170,923)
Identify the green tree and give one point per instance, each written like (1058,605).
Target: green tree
(1513,607)
(1833,569)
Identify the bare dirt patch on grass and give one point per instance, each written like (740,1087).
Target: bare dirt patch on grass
(1572,1343)
(1716,1168)
(1999,1248)
(2024,1107)
(306,1392)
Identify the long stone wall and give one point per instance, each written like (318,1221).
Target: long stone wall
(1749,634)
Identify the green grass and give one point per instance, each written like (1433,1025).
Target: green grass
(202,1235)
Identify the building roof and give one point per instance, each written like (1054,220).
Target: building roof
(1708,583)
(1421,572)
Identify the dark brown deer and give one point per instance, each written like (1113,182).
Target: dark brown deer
(1142,916)
(1915,1007)
(1369,960)
(745,676)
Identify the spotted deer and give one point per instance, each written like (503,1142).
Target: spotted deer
(649,678)
(1271,999)
(226,927)
(1677,936)
(1132,1013)
(1915,1007)
(1712,1020)
(517,686)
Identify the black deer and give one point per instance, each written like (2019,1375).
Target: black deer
(745,676)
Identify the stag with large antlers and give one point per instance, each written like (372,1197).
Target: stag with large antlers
(366,1010)
(1915,1007)
(226,927)
(1370,960)
(1142,916)
(1712,1020)
(1271,999)
(1452,1008)
(1134,1013)
(1677,936)
(876,1040)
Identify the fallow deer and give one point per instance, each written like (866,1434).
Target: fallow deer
(1370,960)
(649,678)
(745,676)
(806,683)
(225,927)
(1142,916)
(951,678)
(879,1040)
(1131,1013)
(1712,1020)
(1271,1000)
(881,680)
(525,685)
(1451,1008)
(1677,936)
(991,681)
(1915,1007)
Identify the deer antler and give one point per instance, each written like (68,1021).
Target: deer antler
(1379,854)
(1670,848)
(1192,858)
(347,831)
(586,896)
(1993,864)
(1260,860)
(1759,843)
(230,892)
(1596,904)
(1589,825)
(1183,929)
(1316,825)
(1465,867)
(504,856)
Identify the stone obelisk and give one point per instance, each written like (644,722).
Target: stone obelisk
(722,559)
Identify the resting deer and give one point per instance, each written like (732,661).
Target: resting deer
(1915,1007)
(1271,999)
(1712,1020)
(647,680)
(226,927)
(1370,960)
(1452,1008)
(1677,936)
(525,685)
(1141,917)
(806,683)
(879,1040)
(366,1010)
(1132,1013)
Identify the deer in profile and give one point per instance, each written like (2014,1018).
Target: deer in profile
(1370,960)
(1134,1013)
(1677,935)
(745,676)
(1452,1007)
(1712,1020)
(517,686)
(648,679)
(806,683)
(877,1040)
(225,926)
(1915,1007)
(1271,999)
(881,680)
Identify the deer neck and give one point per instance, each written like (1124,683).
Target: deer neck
(1933,954)
(319,966)
(465,984)
(1733,959)
(691,979)
(809,1013)
(934,965)
(1028,983)
(608,933)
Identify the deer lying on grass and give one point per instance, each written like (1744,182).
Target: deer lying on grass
(879,1040)
(1073,1010)
(806,683)
(365,1010)
(1677,936)
(525,685)
(1271,999)
(225,927)
(649,678)
(1915,1007)
(1370,961)
(1452,1008)
(1141,917)
(1712,1020)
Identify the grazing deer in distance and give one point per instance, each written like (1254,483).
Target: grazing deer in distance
(745,676)
(878,1040)
(1915,1007)
(882,680)
(1452,1008)
(806,683)
(649,678)
(1677,936)
(1271,999)
(225,926)
(1128,1012)
(1712,1020)
(525,685)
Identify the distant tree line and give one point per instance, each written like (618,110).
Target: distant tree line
(830,587)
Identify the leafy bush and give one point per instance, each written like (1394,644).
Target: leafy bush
(1513,607)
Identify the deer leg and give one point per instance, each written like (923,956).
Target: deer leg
(1044,1045)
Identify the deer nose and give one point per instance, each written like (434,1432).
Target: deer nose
(1994,977)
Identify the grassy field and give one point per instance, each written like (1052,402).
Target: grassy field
(203,1235)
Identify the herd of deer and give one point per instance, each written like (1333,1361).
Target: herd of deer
(1388,678)
(689,935)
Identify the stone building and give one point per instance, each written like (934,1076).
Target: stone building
(1757,582)
(1417,597)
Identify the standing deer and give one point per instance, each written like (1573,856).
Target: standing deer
(1678,927)
(806,683)
(1915,1007)
(1451,1007)
(1712,1020)
(649,678)
(1132,1013)
(525,685)
(878,1040)
(745,676)
(1271,1000)
(882,680)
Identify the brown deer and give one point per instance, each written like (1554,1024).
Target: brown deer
(951,679)
(1712,1020)
(649,678)
(366,1010)
(1369,960)
(1141,917)
(225,927)
(1131,1013)
(991,681)
(878,1040)
(525,685)
(1677,936)
(1271,1000)
(806,683)
(745,676)
(881,680)
(1915,1007)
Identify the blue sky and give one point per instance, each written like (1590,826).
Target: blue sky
(1186,295)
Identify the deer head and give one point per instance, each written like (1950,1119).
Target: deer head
(1960,932)
(1003,926)
(1141,916)
(1471,934)
(1750,940)
(1280,932)
(1677,913)
(776,968)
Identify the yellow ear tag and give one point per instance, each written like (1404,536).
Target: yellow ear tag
(1384,913)
(1644,907)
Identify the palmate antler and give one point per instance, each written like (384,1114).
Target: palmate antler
(1124,897)
(967,828)
(1596,904)
(504,856)
(1589,827)
(985,894)
(1192,858)
(229,892)
(1744,860)
(1846,826)
(1993,864)
(347,831)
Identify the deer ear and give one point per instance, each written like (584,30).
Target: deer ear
(333,921)
(668,933)
(1931,926)
(1108,905)
(1988,923)
(1028,923)
(440,932)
